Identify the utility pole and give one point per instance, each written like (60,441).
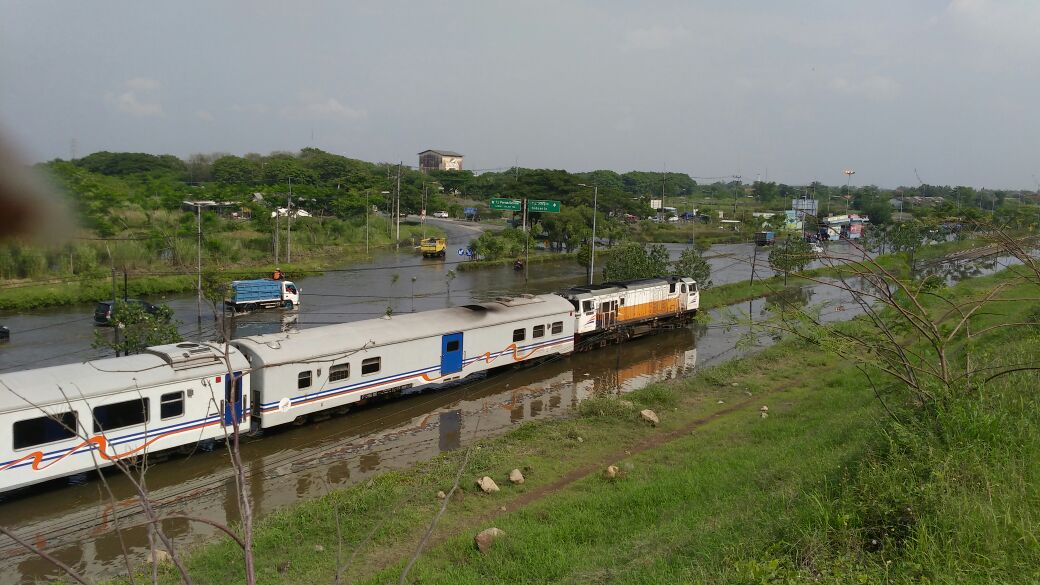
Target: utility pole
(288,228)
(115,326)
(198,297)
(398,242)
(277,239)
(367,209)
(592,256)
(527,243)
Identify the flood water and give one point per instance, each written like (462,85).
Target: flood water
(76,520)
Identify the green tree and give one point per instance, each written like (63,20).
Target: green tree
(633,261)
(235,170)
(794,255)
(137,329)
(692,264)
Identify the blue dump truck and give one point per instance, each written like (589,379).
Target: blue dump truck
(263,293)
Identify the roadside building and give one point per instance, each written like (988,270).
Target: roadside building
(439,160)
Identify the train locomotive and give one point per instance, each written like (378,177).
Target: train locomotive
(69,419)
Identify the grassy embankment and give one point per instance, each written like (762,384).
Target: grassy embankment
(826,489)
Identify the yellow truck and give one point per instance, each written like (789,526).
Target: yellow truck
(433,247)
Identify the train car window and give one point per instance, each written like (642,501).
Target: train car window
(453,345)
(303,380)
(557,327)
(121,414)
(622,301)
(339,372)
(44,429)
(671,288)
(575,304)
(519,334)
(538,331)
(371,365)
(586,305)
(684,288)
(171,405)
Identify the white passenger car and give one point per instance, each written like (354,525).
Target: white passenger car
(299,373)
(63,420)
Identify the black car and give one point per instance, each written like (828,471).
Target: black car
(5,334)
(103,310)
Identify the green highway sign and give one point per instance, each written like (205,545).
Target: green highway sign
(506,204)
(543,206)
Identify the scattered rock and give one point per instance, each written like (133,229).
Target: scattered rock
(611,472)
(585,374)
(319,548)
(580,440)
(627,404)
(441,495)
(516,477)
(650,417)
(161,557)
(487,484)
(486,538)
(370,483)
(764,409)
(764,414)
(747,393)
(735,384)
(721,402)
(501,508)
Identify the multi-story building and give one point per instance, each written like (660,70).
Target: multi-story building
(439,160)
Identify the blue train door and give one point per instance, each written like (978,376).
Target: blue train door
(232,399)
(451,353)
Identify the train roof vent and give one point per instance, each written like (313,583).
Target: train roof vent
(475,307)
(183,356)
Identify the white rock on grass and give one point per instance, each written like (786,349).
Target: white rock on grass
(650,417)
(611,472)
(441,495)
(487,484)
(516,477)
(485,539)
(162,556)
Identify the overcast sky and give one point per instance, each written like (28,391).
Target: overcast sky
(786,90)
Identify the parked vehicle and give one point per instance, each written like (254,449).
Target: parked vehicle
(103,310)
(263,293)
(5,334)
(764,238)
(441,214)
(433,247)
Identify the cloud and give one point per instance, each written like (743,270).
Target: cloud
(139,98)
(204,116)
(250,108)
(1004,24)
(654,38)
(874,87)
(142,84)
(314,106)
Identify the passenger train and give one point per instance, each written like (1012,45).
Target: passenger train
(63,420)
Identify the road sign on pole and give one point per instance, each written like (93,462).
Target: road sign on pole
(506,204)
(543,206)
